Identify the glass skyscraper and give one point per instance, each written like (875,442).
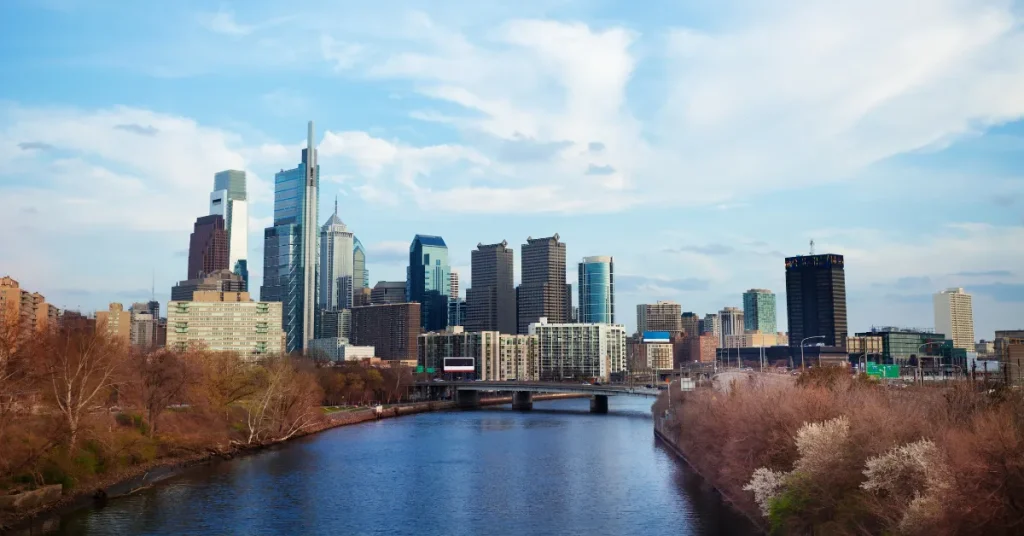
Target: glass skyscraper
(428,280)
(361,276)
(229,200)
(759,310)
(597,290)
(336,265)
(290,249)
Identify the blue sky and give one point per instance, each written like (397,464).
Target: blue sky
(698,143)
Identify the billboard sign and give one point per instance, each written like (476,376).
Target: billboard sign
(459,364)
(656,336)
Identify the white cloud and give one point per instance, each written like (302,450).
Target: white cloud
(224,22)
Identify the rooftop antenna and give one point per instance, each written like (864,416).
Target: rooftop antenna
(335,204)
(812,246)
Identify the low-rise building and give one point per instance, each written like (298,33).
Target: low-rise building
(115,322)
(518,359)
(579,351)
(338,349)
(226,321)
(28,308)
(482,346)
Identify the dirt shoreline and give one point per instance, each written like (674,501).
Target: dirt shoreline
(136,478)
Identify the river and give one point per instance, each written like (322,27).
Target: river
(555,470)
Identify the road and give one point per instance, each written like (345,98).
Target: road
(723,381)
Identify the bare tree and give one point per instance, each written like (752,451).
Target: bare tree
(79,366)
(161,378)
(286,402)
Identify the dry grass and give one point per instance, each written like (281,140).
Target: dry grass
(980,436)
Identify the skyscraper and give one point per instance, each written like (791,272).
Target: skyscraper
(954,316)
(207,246)
(597,290)
(491,301)
(290,248)
(454,292)
(759,310)
(713,326)
(542,292)
(428,281)
(336,276)
(691,324)
(732,324)
(816,299)
(359,272)
(660,316)
(229,201)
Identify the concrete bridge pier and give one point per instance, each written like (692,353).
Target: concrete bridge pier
(599,404)
(522,400)
(465,399)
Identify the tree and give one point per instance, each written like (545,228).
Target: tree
(221,380)
(286,402)
(161,378)
(79,365)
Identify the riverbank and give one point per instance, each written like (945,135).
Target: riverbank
(139,477)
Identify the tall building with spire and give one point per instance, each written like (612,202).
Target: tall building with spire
(336,268)
(229,201)
(290,249)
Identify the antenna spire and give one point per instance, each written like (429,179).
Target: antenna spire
(335,204)
(812,246)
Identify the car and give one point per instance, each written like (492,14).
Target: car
(438,379)
(511,380)
(650,386)
(596,383)
(586,383)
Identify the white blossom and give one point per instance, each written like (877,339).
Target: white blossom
(820,445)
(766,484)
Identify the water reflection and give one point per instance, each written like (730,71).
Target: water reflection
(555,470)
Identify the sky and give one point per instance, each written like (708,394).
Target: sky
(698,143)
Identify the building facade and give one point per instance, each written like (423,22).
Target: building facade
(336,265)
(518,357)
(361,276)
(226,322)
(691,324)
(491,301)
(290,248)
(453,285)
(816,299)
(759,311)
(482,346)
(145,324)
(392,329)
(219,281)
(388,292)
(115,322)
(336,324)
(579,351)
(712,326)
(207,246)
(732,323)
(596,290)
(457,312)
(28,310)
(428,280)
(338,349)
(954,316)
(542,293)
(899,345)
(229,200)
(660,316)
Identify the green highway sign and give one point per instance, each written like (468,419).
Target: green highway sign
(431,370)
(883,371)
(419,369)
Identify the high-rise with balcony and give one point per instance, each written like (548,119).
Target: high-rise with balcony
(226,322)
(229,201)
(660,316)
(428,280)
(290,249)
(954,316)
(336,266)
(491,301)
(542,293)
(759,311)
(597,290)
(207,246)
(816,299)
(28,309)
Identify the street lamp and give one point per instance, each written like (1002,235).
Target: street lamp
(802,349)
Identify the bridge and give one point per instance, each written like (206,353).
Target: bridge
(467,393)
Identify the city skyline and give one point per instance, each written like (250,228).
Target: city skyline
(403,162)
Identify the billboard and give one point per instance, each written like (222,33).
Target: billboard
(656,336)
(459,364)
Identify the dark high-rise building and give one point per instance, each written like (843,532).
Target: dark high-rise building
(208,246)
(543,289)
(816,299)
(392,329)
(491,301)
(429,280)
(388,292)
(691,324)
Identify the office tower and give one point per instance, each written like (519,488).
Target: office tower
(579,351)
(542,291)
(219,281)
(290,248)
(254,331)
(660,316)
(490,302)
(954,316)
(361,296)
(567,315)
(597,290)
(691,324)
(361,276)
(207,246)
(336,264)
(816,299)
(391,329)
(388,292)
(732,324)
(229,201)
(429,280)
(759,311)
(28,309)
(454,285)
(457,312)
(145,319)
(115,322)
(336,324)
(712,326)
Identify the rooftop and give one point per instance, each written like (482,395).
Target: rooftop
(430,240)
